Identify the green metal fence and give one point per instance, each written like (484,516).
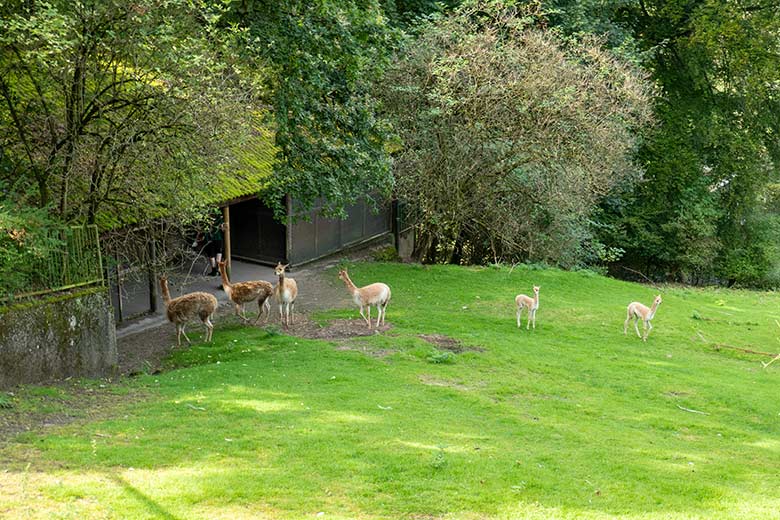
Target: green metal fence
(76,262)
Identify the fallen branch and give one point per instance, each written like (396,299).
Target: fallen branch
(689,410)
(643,276)
(741,349)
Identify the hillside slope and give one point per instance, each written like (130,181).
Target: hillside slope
(572,420)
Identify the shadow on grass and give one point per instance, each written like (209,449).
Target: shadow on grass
(151,506)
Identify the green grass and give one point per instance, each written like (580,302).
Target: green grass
(572,420)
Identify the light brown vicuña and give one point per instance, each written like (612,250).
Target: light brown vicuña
(526,302)
(241,293)
(375,294)
(641,312)
(286,291)
(186,308)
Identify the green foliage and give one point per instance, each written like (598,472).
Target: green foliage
(322,57)
(441,357)
(386,254)
(699,215)
(109,107)
(27,235)
(6,402)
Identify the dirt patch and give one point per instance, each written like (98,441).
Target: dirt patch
(433,381)
(335,329)
(365,348)
(61,403)
(443,342)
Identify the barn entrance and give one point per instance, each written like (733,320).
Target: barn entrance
(255,235)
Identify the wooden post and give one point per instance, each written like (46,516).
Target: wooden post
(226,236)
(152,273)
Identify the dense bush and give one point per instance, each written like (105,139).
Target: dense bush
(509,136)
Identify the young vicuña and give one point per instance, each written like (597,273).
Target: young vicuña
(526,302)
(641,312)
(375,294)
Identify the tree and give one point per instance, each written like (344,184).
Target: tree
(509,136)
(322,57)
(699,213)
(109,107)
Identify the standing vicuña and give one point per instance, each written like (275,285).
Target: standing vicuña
(375,294)
(532,304)
(186,308)
(285,291)
(638,311)
(242,293)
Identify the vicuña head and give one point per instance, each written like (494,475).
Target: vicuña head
(657,300)
(536,289)
(279,270)
(343,275)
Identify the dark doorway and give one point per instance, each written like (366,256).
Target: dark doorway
(255,235)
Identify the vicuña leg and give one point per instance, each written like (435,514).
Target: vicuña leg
(648,329)
(181,331)
(260,307)
(369,315)
(281,313)
(209,329)
(533,315)
(519,316)
(362,314)
(636,326)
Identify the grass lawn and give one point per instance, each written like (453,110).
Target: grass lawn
(572,420)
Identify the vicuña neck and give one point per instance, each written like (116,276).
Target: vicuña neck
(652,309)
(166,296)
(223,274)
(348,282)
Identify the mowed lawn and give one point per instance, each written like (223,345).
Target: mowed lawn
(572,420)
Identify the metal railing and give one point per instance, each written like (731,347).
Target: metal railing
(75,262)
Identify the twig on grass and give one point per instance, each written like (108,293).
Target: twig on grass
(689,410)
(199,408)
(770,362)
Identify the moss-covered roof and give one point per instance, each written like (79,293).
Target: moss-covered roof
(248,175)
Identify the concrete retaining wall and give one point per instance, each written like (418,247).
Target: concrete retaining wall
(69,335)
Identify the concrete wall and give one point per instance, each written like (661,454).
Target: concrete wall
(68,335)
